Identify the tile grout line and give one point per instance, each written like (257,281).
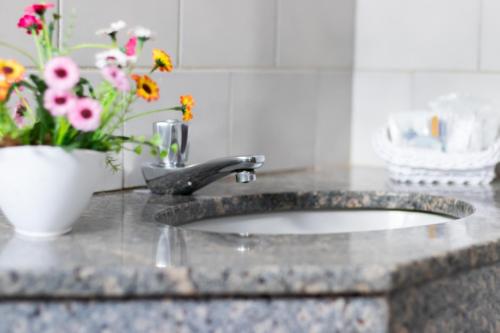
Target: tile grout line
(351,116)
(479,35)
(316,153)
(229,144)
(276,33)
(180,21)
(60,24)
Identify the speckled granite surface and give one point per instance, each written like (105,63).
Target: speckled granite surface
(240,315)
(131,246)
(126,243)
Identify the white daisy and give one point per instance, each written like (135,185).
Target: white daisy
(113,28)
(113,57)
(141,33)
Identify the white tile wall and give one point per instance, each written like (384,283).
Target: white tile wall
(113,180)
(334,112)
(490,30)
(375,96)
(228,33)
(428,86)
(160,16)
(417,34)
(209,130)
(316,33)
(275,114)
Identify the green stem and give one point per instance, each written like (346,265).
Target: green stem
(142,114)
(90,46)
(62,129)
(38,50)
(19,50)
(48,43)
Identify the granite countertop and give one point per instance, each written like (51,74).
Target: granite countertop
(127,243)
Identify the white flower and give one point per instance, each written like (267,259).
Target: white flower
(112,29)
(141,32)
(113,57)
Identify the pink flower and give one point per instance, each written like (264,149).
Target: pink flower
(38,9)
(86,115)
(61,73)
(116,77)
(130,46)
(30,23)
(59,102)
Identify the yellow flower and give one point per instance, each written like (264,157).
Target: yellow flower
(162,61)
(11,70)
(187,103)
(4,90)
(146,88)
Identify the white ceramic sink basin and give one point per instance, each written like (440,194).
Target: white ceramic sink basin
(317,222)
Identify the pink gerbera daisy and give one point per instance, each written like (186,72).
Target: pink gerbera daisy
(86,115)
(61,73)
(116,77)
(59,102)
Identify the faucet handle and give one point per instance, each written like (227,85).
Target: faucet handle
(174,140)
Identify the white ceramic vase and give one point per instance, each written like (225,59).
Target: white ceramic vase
(43,189)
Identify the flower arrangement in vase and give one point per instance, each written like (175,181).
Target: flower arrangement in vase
(57,129)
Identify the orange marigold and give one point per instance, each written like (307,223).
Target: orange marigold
(187,103)
(147,89)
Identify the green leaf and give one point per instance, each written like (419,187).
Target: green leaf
(138,150)
(156,140)
(163,154)
(174,147)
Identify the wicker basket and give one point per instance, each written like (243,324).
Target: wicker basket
(425,166)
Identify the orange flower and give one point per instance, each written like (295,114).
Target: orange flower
(4,90)
(187,103)
(147,89)
(187,115)
(162,61)
(11,70)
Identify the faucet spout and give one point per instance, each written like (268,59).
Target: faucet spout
(186,180)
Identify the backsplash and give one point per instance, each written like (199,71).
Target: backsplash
(410,52)
(269,76)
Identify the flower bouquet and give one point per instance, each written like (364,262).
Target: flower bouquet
(57,128)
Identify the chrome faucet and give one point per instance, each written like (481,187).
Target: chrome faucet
(170,175)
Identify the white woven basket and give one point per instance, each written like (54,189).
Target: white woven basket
(424,166)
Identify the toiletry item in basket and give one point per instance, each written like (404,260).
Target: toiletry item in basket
(416,129)
(472,123)
(455,124)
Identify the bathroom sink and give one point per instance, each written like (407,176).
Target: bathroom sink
(318,222)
